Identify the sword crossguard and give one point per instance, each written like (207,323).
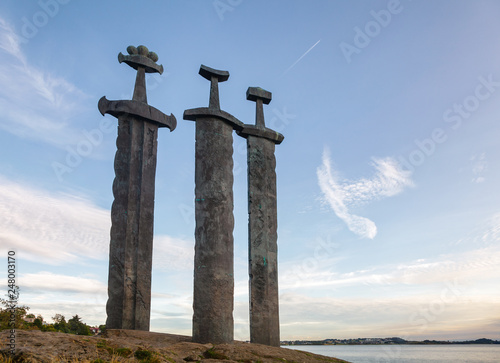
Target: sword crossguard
(137,109)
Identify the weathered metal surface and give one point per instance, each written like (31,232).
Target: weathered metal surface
(265,133)
(257,93)
(263,247)
(132,215)
(213,266)
(132,212)
(260,97)
(262,224)
(194,114)
(138,109)
(208,73)
(137,60)
(213,262)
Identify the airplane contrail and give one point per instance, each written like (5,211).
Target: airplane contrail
(302,56)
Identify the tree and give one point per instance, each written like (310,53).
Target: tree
(58,318)
(84,330)
(74,323)
(76,326)
(60,323)
(6,311)
(38,322)
(49,327)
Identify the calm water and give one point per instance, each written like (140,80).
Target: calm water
(407,353)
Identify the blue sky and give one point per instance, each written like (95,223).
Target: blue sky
(388,209)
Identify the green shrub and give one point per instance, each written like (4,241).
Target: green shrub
(212,354)
(123,352)
(143,354)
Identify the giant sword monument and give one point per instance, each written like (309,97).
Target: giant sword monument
(132,212)
(213,259)
(262,224)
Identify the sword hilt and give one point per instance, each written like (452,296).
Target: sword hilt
(259,96)
(214,76)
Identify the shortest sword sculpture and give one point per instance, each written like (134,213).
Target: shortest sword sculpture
(262,224)
(132,213)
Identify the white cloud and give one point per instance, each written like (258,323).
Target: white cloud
(436,314)
(477,265)
(479,167)
(92,310)
(34,103)
(51,228)
(44,281)
(484,235)
(171,253)
(470,267)
(389,180)
(58,229)
(49,293)
(449,296)
(9,42)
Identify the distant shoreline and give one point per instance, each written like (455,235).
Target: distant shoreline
(385,341)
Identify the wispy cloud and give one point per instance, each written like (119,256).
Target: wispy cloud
(46,281)
(35,104)
(389,179)
(410,317)
(471,267)
(51,228)
(57,228)
(9,42)
(480,165)
(49,293)
(486,234)
(173,253)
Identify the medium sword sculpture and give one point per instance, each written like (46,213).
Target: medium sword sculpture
(262,224)
(213,262)
(132,213)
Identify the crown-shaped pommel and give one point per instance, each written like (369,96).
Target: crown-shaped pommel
(141,57)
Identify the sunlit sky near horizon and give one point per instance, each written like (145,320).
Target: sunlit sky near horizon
(388,202)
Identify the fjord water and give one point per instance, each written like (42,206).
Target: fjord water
(471,353)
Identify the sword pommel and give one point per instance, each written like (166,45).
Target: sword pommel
(257,93)
(141,57)
(208,73)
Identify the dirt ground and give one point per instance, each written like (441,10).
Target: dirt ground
(140,346)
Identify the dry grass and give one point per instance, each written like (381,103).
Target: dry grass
(141,347)
(4,359)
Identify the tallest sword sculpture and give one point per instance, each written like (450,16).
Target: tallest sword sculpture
(132,213)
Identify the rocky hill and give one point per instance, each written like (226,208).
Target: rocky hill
(139,346)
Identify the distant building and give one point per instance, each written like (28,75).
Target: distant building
(95,330)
